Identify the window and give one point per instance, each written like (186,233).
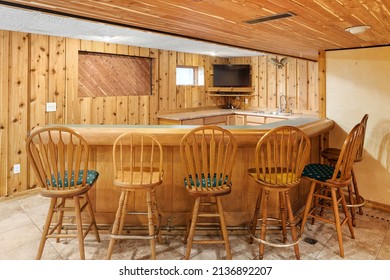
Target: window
(189,75)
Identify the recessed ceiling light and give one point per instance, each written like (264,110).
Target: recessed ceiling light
(357,29)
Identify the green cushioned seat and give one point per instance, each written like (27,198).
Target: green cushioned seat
(320,172)
(206,182)
(91,178)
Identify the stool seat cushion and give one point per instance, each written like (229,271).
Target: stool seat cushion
(319,172)
(209,181)
(91,178)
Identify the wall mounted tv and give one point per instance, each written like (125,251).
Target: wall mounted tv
(231,75)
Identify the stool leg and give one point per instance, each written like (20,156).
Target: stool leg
(346,213)
(157,216)
(115,227)
(307,206)
(92,217)
(356,190)
(53,202)
(60,218)
(253,224)
(80,233)
(351,202)
(283,216)
(223,228)
(263,232)
(123,213)
(337,220)
(151,225)
(192,228)
(294,233)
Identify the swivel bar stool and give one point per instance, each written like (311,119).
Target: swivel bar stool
(280,156)
(137,159)
(355,199)
(207,155)
(59,157)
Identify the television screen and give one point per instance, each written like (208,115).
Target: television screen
(231,75)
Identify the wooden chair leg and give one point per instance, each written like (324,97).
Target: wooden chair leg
(79,223)
(263,232)
(192,228)
(60,217)
(157,216)
(352,201)
(282,213)
(92,217)
(223,228)
(187,233)
(356,190)
(308,205)
(115,227)
(346,213)
(337,220)
(294,233)
(253,224)
(151,225)
(53,202)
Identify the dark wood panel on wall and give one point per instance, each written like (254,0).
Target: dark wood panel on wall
(37,69)
(105,75)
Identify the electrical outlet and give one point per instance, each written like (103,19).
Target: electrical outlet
(16,168)
(51,107)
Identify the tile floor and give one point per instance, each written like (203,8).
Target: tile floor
(21,222)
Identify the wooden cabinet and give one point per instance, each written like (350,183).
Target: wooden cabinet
(235,120)
(217,120)
(254,120)
(198,121)
(272,120)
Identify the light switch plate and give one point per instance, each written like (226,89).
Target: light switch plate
(51,107)
(16,168)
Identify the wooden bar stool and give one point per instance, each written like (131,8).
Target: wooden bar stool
(327,179)
(355,199)
(208,155)
(137,159)
(280,156)
(59,157)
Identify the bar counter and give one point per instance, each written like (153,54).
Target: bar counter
(174,203)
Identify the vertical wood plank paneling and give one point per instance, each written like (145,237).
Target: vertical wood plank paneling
(163,81)
(72,105)
(46,70)
(302,85)
(154,99)
(57,79)
(291,90)
(4,105)
(172,79)
(271,85)
(39,79)
(312,95)
(18,117)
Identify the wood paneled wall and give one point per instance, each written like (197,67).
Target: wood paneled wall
(36,69)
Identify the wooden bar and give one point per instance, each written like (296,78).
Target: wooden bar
(173,200)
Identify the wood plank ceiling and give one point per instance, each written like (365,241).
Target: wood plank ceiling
(317,24)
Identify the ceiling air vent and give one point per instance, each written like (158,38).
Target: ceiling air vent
(269,18)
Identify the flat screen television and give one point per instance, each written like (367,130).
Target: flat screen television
(231,75)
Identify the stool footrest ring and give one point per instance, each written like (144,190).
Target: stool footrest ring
(273,244)
(357,205)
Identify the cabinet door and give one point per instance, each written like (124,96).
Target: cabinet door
(221,120)
(254,120)
(239,120)
(231,120)
(272,120)
(198,121)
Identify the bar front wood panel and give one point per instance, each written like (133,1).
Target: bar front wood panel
(36,69)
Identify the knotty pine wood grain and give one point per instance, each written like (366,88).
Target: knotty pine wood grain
(36,69)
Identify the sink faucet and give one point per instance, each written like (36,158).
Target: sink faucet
(282,105)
